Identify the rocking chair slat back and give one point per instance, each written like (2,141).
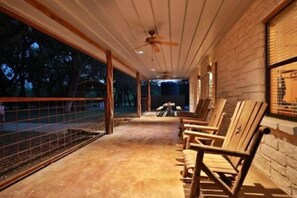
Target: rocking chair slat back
(215,117)
(199,105)
(243,127)
(203,110)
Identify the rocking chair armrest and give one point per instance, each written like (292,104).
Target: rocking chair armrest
(188,116)
(219,151)
(194,121)
(195,126)
(264,129)
(203,135)
(187,113)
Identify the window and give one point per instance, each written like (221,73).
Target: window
(282,63)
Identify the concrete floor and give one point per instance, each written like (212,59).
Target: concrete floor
(138,160)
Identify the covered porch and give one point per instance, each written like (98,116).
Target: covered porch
(219,46)
(138,160)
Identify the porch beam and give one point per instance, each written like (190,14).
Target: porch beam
(138,94)
(109,104)
(149,99)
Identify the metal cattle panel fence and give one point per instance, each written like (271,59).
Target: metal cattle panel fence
(34,130)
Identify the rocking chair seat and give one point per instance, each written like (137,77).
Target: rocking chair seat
(217,163)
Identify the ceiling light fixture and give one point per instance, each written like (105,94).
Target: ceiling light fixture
(140,52)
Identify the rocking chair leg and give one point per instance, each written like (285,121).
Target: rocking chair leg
(187,141)
(185,171)
(195,190)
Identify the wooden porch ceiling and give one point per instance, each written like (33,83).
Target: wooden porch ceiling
(94,26)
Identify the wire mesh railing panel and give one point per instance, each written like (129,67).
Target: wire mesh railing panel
(35,129)
(144,107)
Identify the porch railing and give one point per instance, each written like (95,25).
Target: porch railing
(144,107)
(35,132)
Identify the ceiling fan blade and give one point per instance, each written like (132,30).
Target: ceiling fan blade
(155,47)
(167,43)
(141,46)
(159,37)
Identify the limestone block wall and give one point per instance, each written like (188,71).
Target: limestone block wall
(277,158)
(240,57)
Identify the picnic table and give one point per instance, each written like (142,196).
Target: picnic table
(167,109)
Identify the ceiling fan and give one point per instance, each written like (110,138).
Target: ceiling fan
(155,40)
(165,75)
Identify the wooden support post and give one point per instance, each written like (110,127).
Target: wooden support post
(109,103)
(149,102)
(138,94)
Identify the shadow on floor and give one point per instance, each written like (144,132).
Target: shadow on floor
(257,190)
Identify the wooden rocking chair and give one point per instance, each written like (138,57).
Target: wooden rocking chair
(201,111)
(199,115)
(212,127)
(228,165)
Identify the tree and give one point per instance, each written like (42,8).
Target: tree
(125,89)
(29,58)
(15,49)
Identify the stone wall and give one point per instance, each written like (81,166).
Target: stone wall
(277,158)
(240,58)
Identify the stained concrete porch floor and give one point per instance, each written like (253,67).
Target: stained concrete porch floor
(137,160)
